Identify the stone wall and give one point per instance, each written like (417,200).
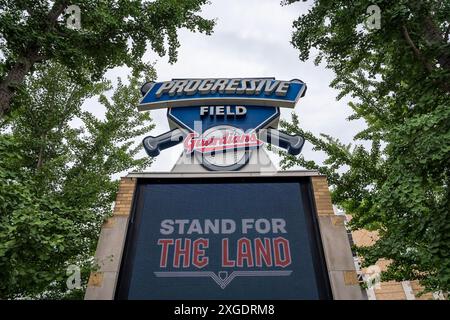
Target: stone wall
(101,285)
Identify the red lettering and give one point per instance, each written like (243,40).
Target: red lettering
(198,258)
(225,256)
(165,243)
(185,253)
(281,245)
(207,142)
(263,252)
(244,252)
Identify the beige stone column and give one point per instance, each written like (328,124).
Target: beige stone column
(338,255)
(102,283)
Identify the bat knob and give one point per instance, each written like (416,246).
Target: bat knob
(146,87)
(151,146)
(296,145)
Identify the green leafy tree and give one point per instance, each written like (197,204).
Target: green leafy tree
(398,77)
(112,33)
(56,166)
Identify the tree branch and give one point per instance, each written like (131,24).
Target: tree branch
(40,161)
(416,51)
(58,8)
(444,59)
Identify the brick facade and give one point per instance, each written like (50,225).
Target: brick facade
(387,290)
(124,197)
(390,290)
(322,195)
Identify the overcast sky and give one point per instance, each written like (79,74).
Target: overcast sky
(252,39)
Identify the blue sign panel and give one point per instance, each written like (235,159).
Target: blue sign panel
(223,240)
(213,117)
(246,118)
(252,91)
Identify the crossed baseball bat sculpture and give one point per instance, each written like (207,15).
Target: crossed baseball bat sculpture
(154,145)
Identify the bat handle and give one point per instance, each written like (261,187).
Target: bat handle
(154,145)
(292,144)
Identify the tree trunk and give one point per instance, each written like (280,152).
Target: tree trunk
(16,75)
(40,161)
(10,83)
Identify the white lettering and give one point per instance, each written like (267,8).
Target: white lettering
(164,88)
(222,226)
(195,227)
(204,110)
(282,89)
(166,227)
(262,226)
(228,226)
(247,224)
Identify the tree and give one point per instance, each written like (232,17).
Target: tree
(399,79)
(56,164)
(113,33)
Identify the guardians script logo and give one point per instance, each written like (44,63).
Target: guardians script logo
(223,249)
(221,141)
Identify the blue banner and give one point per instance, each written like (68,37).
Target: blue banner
(196,92)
